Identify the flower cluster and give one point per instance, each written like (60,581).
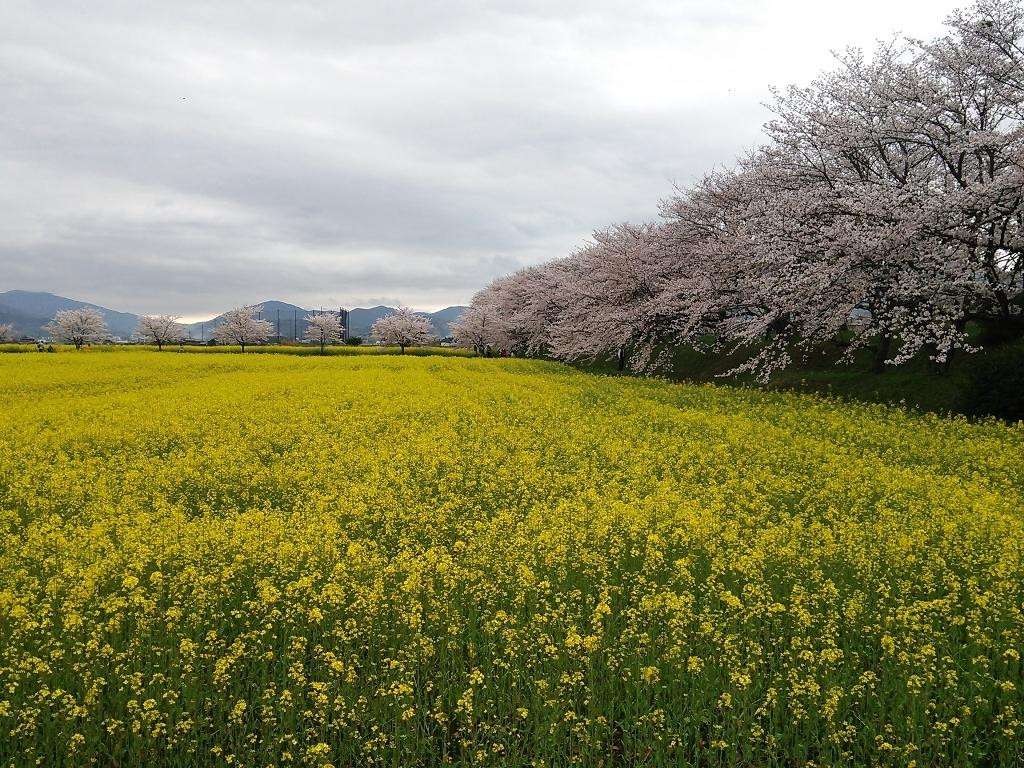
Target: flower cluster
(313,561)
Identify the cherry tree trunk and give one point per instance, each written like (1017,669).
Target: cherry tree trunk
(882,350)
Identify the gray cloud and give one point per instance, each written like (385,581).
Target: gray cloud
(187,156)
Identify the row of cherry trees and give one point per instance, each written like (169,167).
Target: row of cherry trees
(888,191)
(242,326)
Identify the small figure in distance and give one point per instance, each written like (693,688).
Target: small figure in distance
(39,346)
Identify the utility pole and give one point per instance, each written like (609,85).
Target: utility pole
(279,326)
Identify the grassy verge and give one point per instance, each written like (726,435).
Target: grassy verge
(916,384)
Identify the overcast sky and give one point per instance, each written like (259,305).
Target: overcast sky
(192,155)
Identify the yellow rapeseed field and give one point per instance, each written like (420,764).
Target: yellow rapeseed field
(266,560)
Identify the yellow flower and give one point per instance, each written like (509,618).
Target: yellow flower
(649,674)
(238,711)
(264,555)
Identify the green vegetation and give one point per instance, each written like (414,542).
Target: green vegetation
(986,383)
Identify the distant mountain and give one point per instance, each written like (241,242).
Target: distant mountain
(361,320)
(29,311)
(444,318)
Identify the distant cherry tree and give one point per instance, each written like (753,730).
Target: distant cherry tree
(403,328)
(476,327)
(160,329)
(323,329)
(243,326)
(6,332)
(78,326)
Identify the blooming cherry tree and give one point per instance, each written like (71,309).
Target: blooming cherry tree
(243,326)
(78,326)
(889,190)
(528,303)
(323,329)
(610,297)
(477,327)
(403,328)
(160,329)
